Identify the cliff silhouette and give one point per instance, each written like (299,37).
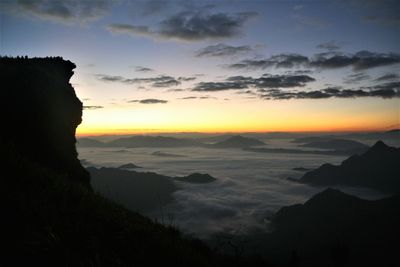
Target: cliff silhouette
(40,112)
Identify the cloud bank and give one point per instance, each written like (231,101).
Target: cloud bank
(222,50)
(60,11)
(189,26)
(149,101)
(361,60)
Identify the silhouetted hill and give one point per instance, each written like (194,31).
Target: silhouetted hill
(197,178)
(309,139)
(238,141)
(138,191)
(129,166)
(152,141)
(214,139)
(336,229)
(89,142)
(377,168)
(40,112)
(338,145)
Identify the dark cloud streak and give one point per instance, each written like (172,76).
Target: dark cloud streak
(149,101)
(192,25)
(60,11)
(265,81)
(361,60)
(222,50)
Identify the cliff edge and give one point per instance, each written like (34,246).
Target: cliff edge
(40,112)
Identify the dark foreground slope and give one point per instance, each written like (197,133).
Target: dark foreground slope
(378,168)
(49,221)
(336,229)
(49,214)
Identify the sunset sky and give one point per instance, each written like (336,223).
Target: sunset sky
(219,66)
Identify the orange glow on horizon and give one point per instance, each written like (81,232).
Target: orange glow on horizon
(82,132)
(332,115)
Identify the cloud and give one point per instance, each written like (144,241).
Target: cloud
(330,46)
(195,97)
(389,86)
(277,61)
(222,50)
(356,77)
(389,76)
(386,91)
(110,78)
(92,107)
(218,86)
(361,60)
(265,81)
(128,29)
(149,101)
(188,97)
(60,11)
(186,79)
(283,81)
(159,81)
(190,26)
(143,69)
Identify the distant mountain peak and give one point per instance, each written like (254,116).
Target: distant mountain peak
(328,195)
(379,145)
(378,148)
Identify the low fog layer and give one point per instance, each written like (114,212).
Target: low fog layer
(248,189)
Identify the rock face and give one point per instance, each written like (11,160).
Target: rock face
(378,168)
(40,113)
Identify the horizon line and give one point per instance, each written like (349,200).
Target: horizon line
(110,133)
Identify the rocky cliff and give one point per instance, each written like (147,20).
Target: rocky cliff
(40,112)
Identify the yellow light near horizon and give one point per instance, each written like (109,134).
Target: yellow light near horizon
(243,116)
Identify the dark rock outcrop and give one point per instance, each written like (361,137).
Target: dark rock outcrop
(378,168)
(40,113)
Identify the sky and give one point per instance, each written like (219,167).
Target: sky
(219,66)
